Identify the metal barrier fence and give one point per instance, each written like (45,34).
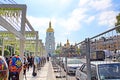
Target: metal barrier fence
(108,41)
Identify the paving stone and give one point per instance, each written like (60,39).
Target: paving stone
(46,73)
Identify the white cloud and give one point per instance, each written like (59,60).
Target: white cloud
(107,18)
(67,33)
(64,2)
(100,4)
(105,15)
(49,4)
(81,13)
(39,24)
(78,13)
(90,19)
(83,3)
(73,22)
(72,25)
(96,4)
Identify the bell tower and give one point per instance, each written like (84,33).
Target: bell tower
(50,40)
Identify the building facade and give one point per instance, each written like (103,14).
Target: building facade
(50,41)
(111,43)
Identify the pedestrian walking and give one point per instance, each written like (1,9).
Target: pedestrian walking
(31,61)
(25,64)
(47,58)
(28,59)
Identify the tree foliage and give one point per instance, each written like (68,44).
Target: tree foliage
(17,52)
(117,23)
(57,51)
(6,52)
(78,50)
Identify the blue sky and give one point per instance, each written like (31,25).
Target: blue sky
(72,19)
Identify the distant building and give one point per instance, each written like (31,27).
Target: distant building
(111,43)
(50,40)
(68,50)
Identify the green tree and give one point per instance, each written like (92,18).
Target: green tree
(6,52)
(17,52)
(117,23)
(78,50)
(57,51)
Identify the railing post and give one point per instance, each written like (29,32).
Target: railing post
(66,67)
(87,41)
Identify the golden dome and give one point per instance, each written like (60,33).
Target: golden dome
(68,42)
(50,29)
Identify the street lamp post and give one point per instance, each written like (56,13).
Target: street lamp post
(66,53)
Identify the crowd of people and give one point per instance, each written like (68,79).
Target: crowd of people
(15,65)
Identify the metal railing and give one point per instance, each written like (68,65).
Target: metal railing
(107,41)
